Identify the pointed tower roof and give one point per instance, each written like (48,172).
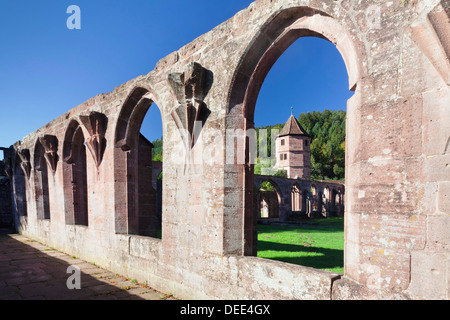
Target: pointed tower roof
(292,127)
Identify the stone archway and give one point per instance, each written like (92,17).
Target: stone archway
(268,192)
(135,198)
(275,36)
(75,175)
(41,182)
(297,199)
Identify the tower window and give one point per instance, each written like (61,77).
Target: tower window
(285,156)
(282,142)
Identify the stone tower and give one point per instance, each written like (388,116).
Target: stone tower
(293,150)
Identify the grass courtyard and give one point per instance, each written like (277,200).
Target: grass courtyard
(316,243)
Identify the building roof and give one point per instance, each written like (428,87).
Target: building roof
(292,127)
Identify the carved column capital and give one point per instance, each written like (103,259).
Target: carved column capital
(190,89)
(95,123)
(25,162)
(50,145)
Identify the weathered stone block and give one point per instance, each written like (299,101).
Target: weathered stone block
(429,275)
(444,197)
(436,122)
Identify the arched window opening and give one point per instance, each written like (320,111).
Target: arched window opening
(139,152)
(75,176)
(297,200)
(326,202)
(339,202)
(20,189)
(159,189)
(268,201)
(306,203)
(41,183)
(316,201)
(150,170)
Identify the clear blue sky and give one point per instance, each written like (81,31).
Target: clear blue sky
(47,69)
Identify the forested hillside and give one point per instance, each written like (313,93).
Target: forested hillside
(327,131)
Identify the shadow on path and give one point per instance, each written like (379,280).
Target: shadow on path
(31,271)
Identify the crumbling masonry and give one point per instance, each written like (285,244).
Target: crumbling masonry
(76,187)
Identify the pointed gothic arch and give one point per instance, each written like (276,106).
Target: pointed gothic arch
(41,186)
(75,175)
(297,201)
(135,198)
(281,30)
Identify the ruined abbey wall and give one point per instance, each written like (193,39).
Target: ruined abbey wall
(397,162)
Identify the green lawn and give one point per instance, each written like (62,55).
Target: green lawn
(315,243)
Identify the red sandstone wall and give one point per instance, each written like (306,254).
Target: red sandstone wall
(397,184)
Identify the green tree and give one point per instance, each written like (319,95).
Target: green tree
(157,150)
(327,131)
